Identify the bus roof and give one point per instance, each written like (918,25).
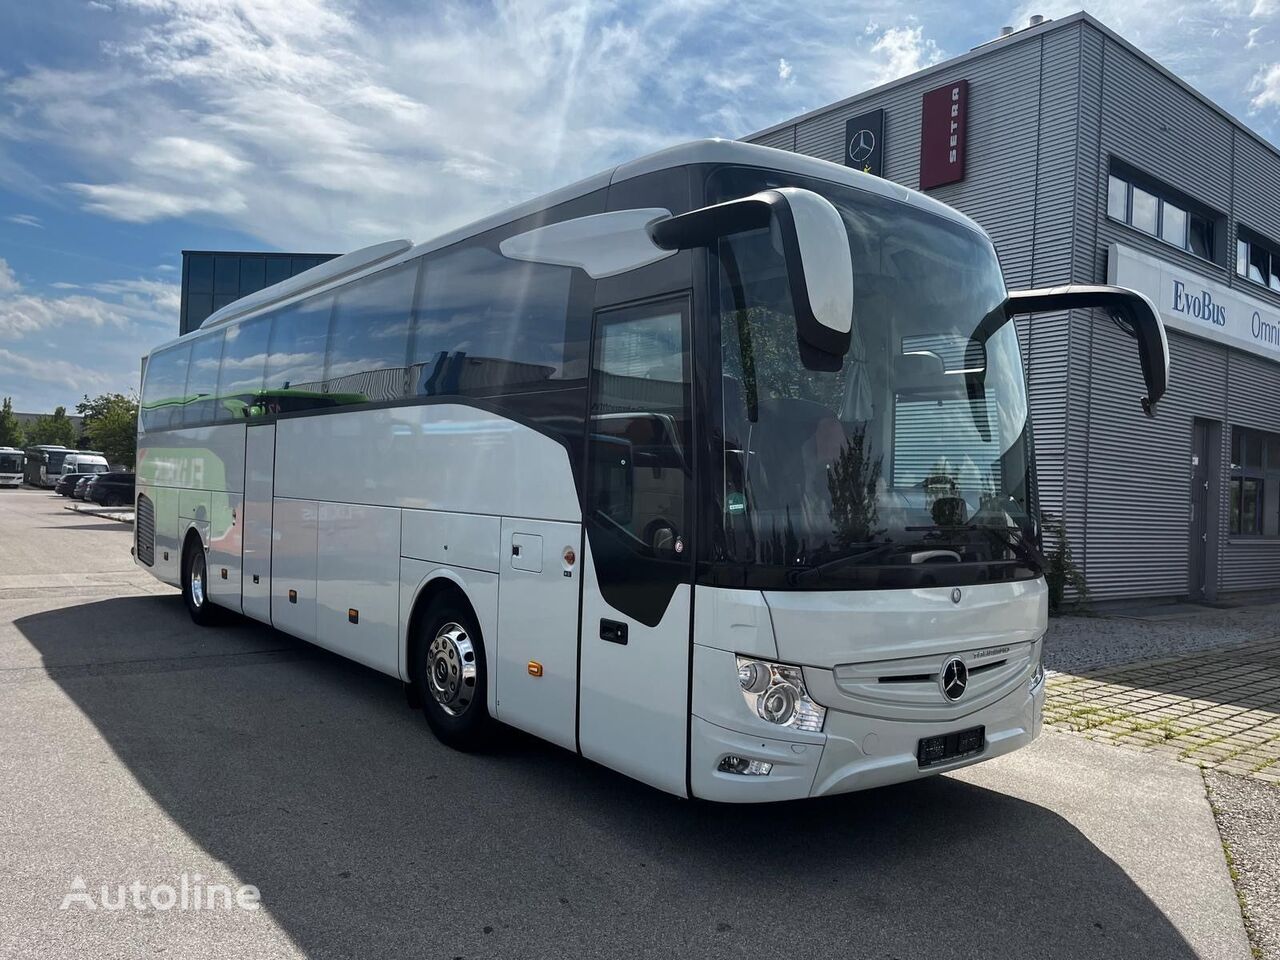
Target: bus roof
(713,151)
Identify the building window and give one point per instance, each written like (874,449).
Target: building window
(1160,212)
(1255,483)
(1258,259)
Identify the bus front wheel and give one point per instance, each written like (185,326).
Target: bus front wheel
(451,675)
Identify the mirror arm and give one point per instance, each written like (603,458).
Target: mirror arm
(1133,311)
(701,228)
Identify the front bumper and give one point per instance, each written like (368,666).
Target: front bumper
(853,752)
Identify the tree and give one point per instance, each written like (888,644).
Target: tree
(54,429)
(111,424)
(11,432)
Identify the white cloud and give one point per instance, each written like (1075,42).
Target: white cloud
(75,377)
(25,220)
(8,282)
(1265,87)
(57,347)
(136,204)
(903,50)
(318,124)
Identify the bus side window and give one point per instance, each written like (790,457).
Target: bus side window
(638,434)
(243,361)
(295,360)
(162,390)
(370,337)
(202,380)
(489,326)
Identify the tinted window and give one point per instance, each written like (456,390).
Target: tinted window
(488,326)
(1173,226)
(295,361)
(277,269)
(370,337)
(226,275)
(244,358)
(199,306)
(252,274)
(202,380)
(162,391)
(1117,198)
(200,274)
(638,475)
(1146,210)
(1200,236)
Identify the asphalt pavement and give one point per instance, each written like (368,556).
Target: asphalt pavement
(137,748)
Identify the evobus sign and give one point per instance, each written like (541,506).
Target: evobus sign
(1195,305)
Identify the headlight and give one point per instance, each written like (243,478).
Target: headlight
(776,693)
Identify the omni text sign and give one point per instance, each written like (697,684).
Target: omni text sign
(1205,308)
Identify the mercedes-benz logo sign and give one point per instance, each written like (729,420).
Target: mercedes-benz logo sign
(954,679)
(862,146)
(955,595)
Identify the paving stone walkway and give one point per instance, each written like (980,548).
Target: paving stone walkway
(1217,708)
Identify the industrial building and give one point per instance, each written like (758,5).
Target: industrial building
(213,278)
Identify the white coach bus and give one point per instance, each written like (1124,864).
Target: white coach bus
(12,463)
(715,468)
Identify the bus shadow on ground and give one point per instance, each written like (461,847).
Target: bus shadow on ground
(308,776)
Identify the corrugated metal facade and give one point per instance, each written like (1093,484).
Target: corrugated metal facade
(1049,108)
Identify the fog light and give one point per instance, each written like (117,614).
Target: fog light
(744,767)
(776,693)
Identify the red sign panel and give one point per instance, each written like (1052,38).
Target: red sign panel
(943,115)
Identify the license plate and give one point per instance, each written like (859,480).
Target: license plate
(950,746)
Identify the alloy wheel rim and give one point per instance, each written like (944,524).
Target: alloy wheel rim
(197,580)
(451,669)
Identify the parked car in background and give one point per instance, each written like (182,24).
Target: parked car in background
(113,489)
(66,485)
(83,485)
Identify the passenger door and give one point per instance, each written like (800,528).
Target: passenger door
(634,684)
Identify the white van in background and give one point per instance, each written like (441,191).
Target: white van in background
(84,463)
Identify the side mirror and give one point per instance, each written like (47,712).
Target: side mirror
(815,247)
(1132,311)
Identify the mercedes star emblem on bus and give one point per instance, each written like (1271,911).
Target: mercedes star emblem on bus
(862,146)
(954,679)
(955,595)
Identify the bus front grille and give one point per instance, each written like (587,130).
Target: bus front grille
(144,529)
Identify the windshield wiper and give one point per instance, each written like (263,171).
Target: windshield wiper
(839,563)
(1020,545)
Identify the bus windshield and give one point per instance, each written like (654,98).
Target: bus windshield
(11,462)
(909,463)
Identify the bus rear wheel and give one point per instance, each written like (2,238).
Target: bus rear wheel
(451,675)
(195,584)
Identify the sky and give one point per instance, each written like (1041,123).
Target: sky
(133,129)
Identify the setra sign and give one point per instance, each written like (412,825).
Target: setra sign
(944,114)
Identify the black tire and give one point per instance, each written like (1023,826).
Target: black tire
(448,651)
(194,562)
